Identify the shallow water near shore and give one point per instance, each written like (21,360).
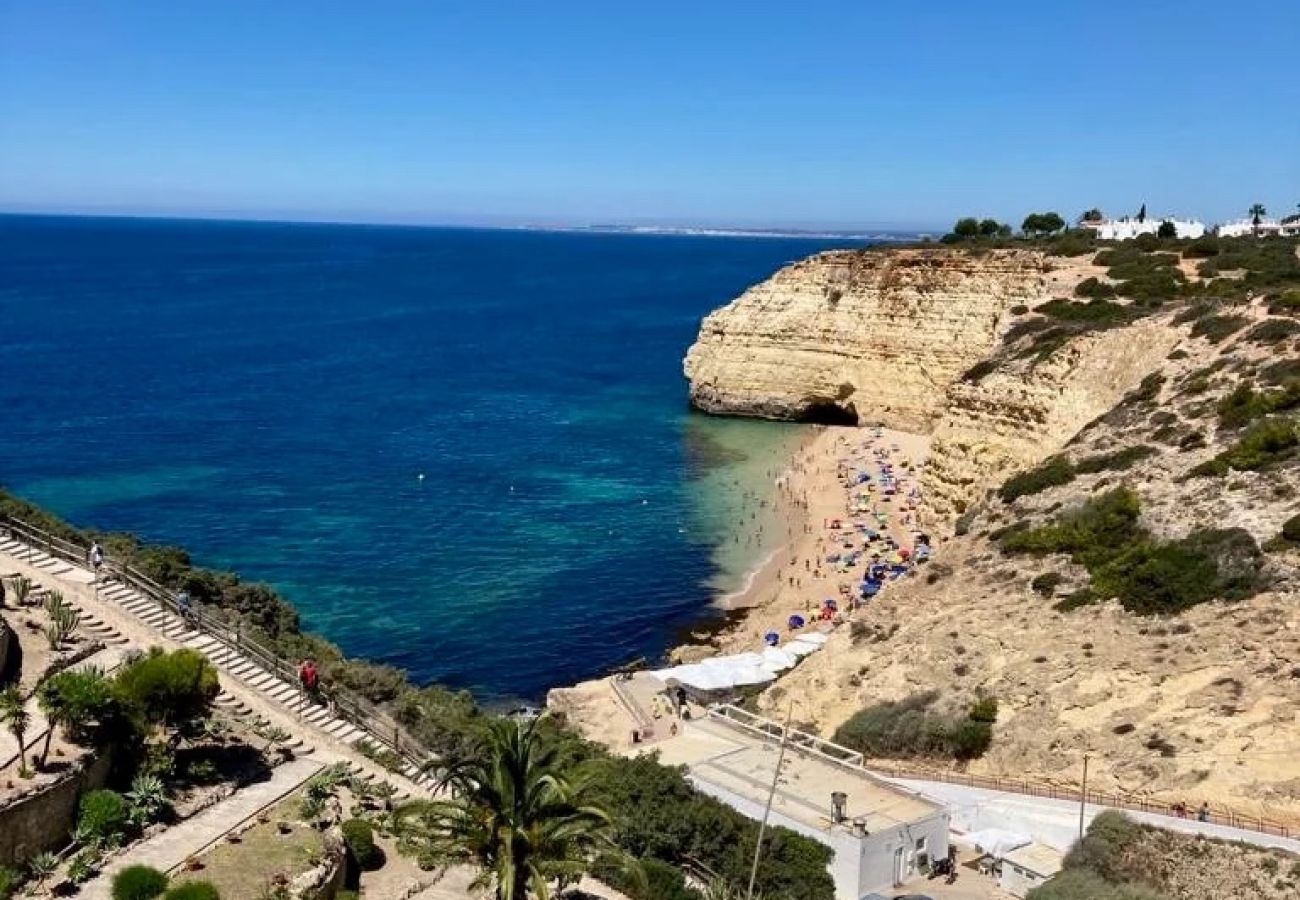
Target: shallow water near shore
(268,395)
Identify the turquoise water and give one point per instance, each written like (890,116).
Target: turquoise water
(268,395)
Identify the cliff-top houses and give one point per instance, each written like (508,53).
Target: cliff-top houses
(1130,227)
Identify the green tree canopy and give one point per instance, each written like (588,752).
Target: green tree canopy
(967,228)
(168,689)
(516,813)
(1038,224)
(990,227)
(1167,229)
(82,703)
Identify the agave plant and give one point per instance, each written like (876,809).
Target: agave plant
(147,799)
(22,588)
(63,620)
(41,866)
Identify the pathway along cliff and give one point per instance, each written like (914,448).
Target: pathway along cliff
(1164,380)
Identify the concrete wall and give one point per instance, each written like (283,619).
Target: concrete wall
(877,855)
(41,820)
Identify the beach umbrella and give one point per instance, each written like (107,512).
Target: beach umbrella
(772,638)
(796,622)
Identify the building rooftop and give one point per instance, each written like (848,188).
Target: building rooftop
(742,762)
(1037,858)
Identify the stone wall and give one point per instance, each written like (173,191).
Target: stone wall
(41,820)
(8,643)
(876,335)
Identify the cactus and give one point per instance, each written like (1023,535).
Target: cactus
(63,620)
(22,587)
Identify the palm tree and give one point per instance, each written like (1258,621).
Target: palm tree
(15,717)
(515,813)
(1256,213)
(80,701)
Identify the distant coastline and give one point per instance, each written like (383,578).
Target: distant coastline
(863,235)
(698,231)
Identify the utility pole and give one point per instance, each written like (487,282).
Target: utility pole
(771,793)
(1083,794)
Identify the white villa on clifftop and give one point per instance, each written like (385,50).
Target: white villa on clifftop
(1129,227)
(1265,228)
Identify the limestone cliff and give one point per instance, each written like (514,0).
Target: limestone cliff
(1027,409)
(878,335)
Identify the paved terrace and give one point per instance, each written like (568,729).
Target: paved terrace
(743,764)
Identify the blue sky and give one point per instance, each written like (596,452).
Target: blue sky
(757,114)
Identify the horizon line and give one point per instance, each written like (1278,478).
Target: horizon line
(864,232)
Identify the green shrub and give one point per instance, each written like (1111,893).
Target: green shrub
(1119,460)
(1215,328)
(1147,576)
(138,883)
(1291,530)
(662,881)
(168,688)
(1046,584)
(359,835)
(193,890)
(86,698)
(1085,884)
(102,814)
(1265,444)
(1094,288)
(1202,248)
(971,739)
(1094,311)
(1052,473)
(1272,331)
(1285,304)
(10,881)
(1147,390)
(985,709)
(911,728)
(1244,404)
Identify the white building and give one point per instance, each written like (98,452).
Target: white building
(882,835)
(1127,228)
(1028,867)
(1247,227)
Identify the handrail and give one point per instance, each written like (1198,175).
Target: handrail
(378,727)
(768,729)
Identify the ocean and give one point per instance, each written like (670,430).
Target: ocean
(467,453)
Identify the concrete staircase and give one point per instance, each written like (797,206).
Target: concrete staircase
(225,656)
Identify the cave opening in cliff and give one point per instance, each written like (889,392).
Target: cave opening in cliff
(828,412)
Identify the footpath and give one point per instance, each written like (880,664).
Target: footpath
(168,849)
(1056,822)
(137,620)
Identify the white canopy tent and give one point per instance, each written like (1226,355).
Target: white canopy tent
(722,673)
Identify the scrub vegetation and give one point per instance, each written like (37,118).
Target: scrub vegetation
(1124,561)
(917,728)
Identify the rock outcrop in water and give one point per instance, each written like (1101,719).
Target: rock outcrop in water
(843,335)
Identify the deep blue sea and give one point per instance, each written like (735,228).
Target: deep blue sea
(267,396)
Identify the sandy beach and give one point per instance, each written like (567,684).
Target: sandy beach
(816,499)
(811,495)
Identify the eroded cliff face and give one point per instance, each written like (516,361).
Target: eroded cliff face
(1027,409)
(849,335)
